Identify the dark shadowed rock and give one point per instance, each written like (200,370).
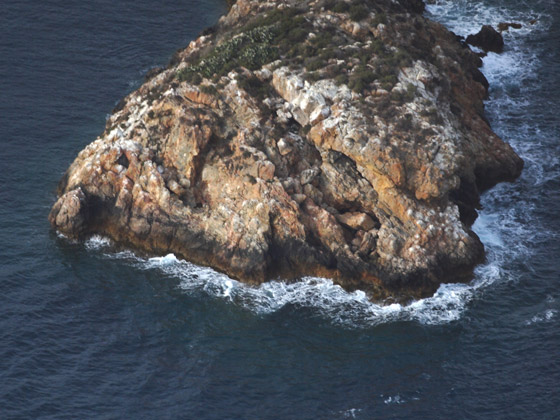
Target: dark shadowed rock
(488,39)
(504,26)
(153,72)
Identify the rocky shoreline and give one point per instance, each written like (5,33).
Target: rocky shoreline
(324,138)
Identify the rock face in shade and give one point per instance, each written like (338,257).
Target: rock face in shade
(301,138)
(488,39)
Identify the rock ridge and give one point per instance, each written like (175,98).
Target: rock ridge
(342,139)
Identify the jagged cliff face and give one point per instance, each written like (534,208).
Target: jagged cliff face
(298,138)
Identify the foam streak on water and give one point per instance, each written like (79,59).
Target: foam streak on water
(503,226)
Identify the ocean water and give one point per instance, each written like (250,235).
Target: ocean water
(88,332)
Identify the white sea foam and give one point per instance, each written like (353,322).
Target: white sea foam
(322,295)
(465,17)
(60,235)
(351,413)
(97,242)
(545,316)
(396,399)
(168,260)
(483,227)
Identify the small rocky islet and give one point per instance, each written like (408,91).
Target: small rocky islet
(332,138)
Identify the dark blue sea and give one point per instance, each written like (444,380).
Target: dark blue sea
(90,333)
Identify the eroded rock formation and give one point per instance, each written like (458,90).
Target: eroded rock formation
(294,138)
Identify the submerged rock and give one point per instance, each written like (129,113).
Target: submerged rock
(290,140)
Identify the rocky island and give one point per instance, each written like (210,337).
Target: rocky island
(332,138)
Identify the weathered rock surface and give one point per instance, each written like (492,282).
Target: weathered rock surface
(301,138)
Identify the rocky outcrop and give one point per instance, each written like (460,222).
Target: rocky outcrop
(488,39)
(504,26)
(294,138)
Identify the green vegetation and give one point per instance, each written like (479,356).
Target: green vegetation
(410,92)
(250,49)
(253,86)
(404,96)
(358,12)
(312,76)
(379,18)
(191,77)
(360,78)
(313,63)
(377,63)
(340,7)
(405,123)
(432,115)
(258,43)
(388,81)
(332,71)
(209,89)
(322,40)
(285,34)
(341,79)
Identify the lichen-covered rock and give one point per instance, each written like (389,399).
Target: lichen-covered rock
(291,140)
